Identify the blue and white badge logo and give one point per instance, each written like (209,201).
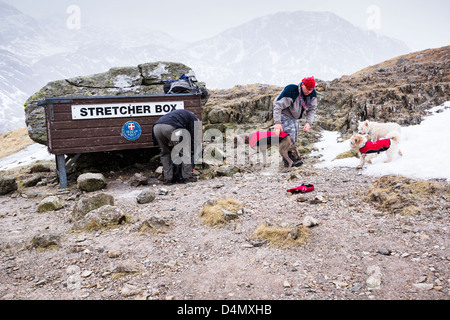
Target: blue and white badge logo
(131,130)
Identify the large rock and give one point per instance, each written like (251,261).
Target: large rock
(44,240)
(51,203)
(85,205)
(146,196)
(103,217)
(7,184)
(227,171)
(145,79)
(91,182)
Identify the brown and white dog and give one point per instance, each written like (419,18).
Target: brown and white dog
(261,142)
(366,147)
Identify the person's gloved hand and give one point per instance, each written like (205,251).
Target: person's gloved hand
(307,127)
(278,128)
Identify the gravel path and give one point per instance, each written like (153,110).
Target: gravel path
(357,250)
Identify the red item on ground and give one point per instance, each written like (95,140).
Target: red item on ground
(303,188)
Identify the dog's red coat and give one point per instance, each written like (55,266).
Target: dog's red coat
(376,146)
(255,138)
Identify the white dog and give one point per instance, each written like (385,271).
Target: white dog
(377,130)
(366,147)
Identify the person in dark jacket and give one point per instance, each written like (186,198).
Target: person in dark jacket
(168,136)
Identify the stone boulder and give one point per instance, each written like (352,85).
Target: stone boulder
(138,179)
(91,182)
(51,203)
(145,79)
(44,240)
(7,184)
(85,205)
(103,217)
(32,181)
(38,167)
(155,224)
(146,196)
(227,171)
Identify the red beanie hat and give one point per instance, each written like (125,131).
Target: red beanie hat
(309,82)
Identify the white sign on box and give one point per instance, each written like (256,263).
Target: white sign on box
(124,110)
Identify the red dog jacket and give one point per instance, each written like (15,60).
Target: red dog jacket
(376,146)
(256,138)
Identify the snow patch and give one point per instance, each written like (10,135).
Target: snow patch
(424,155)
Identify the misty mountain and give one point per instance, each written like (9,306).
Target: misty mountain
(276,49)
(13,86)
(282,48)
(14,25)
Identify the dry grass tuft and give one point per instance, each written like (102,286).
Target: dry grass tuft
(407,196)
(214,214)
(283,237)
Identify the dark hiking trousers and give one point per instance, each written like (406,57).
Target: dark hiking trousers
(163,134)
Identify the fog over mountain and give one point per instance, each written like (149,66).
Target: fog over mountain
(276,49)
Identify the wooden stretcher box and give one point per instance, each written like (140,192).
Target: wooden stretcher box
(97,124)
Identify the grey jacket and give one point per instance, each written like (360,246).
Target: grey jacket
(289,103)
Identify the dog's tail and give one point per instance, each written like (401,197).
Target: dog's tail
(393,135)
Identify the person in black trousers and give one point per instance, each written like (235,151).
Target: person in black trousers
(172,133)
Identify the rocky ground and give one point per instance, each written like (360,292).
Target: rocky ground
(365,244)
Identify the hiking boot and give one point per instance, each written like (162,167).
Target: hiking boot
(190,179)
(293,156)
(298,163)
(168,182)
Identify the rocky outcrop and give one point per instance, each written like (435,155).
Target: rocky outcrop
(399,90)
(145,79)
(248,105)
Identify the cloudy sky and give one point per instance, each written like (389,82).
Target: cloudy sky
(420,24)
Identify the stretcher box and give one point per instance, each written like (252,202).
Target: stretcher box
(98,124)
